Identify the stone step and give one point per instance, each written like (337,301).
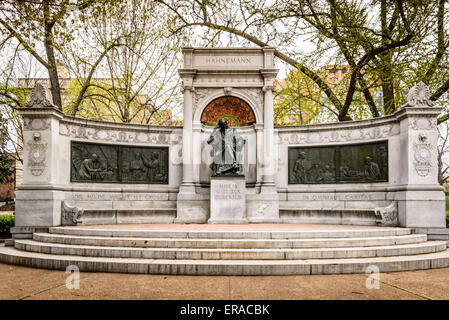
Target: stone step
(343,216)
(225,267)
(228,243)
(128,216)
(246,234)
(230,254)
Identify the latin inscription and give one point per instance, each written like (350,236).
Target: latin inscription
(82,196)
(229,191)
(338,196)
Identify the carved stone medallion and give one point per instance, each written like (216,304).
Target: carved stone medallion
(37,155)
(422,155)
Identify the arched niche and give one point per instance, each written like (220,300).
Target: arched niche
(236,111)
(243,115)
(202,103)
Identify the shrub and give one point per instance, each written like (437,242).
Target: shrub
(447,219)
(6,222)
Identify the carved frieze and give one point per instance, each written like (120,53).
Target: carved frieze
(341,135)
(422,155)
(38,124)
(423,123)
(115,163)
(115,135)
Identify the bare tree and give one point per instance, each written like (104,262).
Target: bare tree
(382,41)
(139,78)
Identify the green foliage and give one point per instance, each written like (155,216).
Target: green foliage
(297,101)
(388,45)
(447,219)
(6,222)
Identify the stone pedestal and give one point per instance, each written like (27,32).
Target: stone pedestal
(227,200)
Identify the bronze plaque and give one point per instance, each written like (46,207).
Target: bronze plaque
(118,164)
(338,164)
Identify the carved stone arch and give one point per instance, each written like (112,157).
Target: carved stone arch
(203,103)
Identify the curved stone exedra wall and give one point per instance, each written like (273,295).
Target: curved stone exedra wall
(358,172)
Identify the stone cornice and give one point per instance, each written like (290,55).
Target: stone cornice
(116,125)
(407,111)
(359,124)
(41,112)
(269,73)
(208,50)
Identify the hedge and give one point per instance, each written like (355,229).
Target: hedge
(447,219)
(6,222)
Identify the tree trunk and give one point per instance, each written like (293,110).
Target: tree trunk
(49,49)
(386,76)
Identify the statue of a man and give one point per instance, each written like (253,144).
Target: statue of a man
(228,150)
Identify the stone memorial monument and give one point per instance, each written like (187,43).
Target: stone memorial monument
(228,163)
(352,172)
(228,187)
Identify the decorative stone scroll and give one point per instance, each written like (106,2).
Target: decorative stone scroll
(70,215)
(387,216)
(338,164)
(116,163)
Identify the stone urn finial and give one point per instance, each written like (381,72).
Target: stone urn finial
(39,98)
(419,96)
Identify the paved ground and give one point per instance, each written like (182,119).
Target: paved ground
(29,283)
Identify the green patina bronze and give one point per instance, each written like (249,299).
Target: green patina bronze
(118,164)
(338,164)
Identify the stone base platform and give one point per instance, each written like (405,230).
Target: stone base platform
(204,249)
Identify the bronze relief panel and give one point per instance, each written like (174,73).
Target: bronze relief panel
(338,164)
(118,164)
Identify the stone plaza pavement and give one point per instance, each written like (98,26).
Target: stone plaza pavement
(29,283)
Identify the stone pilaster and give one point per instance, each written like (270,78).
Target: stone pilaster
(421,201)
(187,138)
(264,207)
(268,169)
(42,157)
(268,132)
(191,207)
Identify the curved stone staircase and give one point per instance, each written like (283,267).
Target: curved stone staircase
(226,252)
